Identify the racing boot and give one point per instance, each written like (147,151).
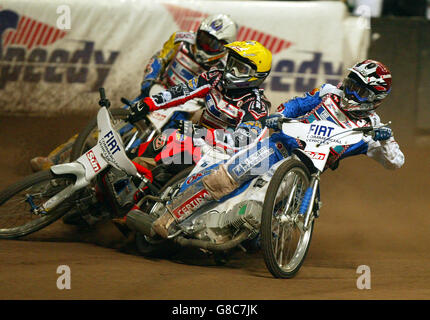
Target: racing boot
(61,154)
(40,163)
(121,225)
(212,187)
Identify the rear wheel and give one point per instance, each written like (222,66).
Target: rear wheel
(21,210)
(284,242)
(87,138)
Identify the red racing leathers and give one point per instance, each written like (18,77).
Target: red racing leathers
(241,112)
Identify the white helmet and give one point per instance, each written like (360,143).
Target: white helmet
(214,32)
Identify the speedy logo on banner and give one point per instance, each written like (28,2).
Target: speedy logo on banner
(25,54)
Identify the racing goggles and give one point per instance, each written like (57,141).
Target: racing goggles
(238,68)
(209,43)
(354,91)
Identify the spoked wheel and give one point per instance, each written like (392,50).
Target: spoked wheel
(284,242)
(158,246)
(21,211)
(87,138)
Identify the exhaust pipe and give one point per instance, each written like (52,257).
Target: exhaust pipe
(210,245)
(141,222)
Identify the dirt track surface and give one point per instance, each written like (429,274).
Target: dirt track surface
(371,216)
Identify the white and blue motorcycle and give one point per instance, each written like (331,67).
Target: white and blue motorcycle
(280,204)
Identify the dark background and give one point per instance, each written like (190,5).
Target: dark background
(403,45)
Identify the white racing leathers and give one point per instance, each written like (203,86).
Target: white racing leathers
(386,152)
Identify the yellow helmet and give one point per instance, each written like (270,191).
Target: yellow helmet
(248,64)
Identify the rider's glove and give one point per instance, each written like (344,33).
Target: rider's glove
(185,127)
(138,111)
(381,134)
(272,121)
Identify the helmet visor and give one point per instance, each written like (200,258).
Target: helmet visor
(209,43)
(356,92)
(239,68)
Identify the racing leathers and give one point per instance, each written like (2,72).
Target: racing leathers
(324,104)
(240,112)
(224,178)
(175,62)
(172,65)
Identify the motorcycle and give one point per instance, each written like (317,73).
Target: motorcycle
(280,205)
(103,174)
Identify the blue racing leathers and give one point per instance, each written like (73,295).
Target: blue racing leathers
(175,62)
(323,103)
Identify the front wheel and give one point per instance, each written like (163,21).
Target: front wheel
(21,211)
(284,242)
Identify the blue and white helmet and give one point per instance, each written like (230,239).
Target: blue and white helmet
(213,33)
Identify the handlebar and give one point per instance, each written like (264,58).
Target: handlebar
(371,128)
(126,101)
(285,120)
(363,129)
(103,102)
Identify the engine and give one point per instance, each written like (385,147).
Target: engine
(219,227)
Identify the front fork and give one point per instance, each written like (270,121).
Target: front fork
(308,201)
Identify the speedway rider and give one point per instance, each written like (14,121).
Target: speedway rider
(183,56)
(351,104)
(234,101)
(186,54)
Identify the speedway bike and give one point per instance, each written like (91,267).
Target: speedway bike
(102,172)
(280,205)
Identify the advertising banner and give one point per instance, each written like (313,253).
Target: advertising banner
(54,55)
